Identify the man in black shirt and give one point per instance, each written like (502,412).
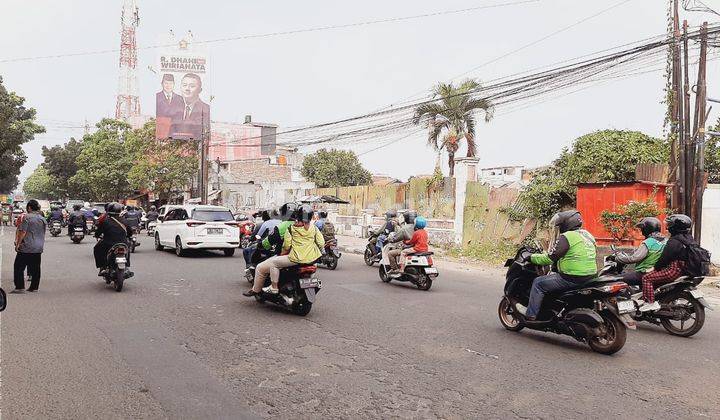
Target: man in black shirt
(113,230)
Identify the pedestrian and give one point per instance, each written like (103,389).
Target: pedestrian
(29,244)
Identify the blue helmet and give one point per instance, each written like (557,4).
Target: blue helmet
(420,222)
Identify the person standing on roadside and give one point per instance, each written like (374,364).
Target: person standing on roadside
(29,244)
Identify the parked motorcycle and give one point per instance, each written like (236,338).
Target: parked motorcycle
(298,288)
(78,234)
(418,270)
(56,228)
(592,313)
(331,256)
(682,305)
(371,255)
(117,271)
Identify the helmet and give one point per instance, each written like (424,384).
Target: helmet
(287,211)
(420,222)
(409,216)
(77,207)
(86,205)
(54,207)
(390,214)
(648,226)
(114,208)
(323,214)
(304,213)
(153,208)
(678,223)
(566,221)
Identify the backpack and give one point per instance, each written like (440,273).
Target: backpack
(698,260)
(328,230)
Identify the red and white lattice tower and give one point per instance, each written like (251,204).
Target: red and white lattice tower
(128,101)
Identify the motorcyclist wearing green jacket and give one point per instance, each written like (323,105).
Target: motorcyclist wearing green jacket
(646,255)
(573,253)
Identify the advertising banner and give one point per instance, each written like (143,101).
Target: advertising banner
(182,107)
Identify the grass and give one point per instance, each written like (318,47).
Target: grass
(492,253)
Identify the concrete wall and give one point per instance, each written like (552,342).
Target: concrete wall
(710,235)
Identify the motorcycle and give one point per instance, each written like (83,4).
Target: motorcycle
(331,256)
(117,271)
(90,224)
(682,306)
(133,239)
(246,230)
(371,256)
(78,234)
(418,270)
(298,288)
(56,228)
(592,313)
(151,228)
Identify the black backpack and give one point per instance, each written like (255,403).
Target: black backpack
(698,260)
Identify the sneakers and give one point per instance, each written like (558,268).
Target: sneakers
(649,307)
(521,309)
(270,290)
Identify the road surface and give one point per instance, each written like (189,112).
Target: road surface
(181,341)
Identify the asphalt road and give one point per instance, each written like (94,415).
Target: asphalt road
(180,341)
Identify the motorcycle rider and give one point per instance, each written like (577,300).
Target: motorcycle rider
(152,215)
(113,231)
(55,215)
(266,228)
(671,262)
(646,255)
(574,255)
(77,219)
(418,243)
(132,217)
(301,245)
(326,228)
(390,226)
(404,233)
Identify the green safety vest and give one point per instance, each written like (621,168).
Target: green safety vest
(580,258)
(655,249)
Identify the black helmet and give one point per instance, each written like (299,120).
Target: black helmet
(304,213)
(114,208)
(678,223)
(567,220)
(409,217)
(323,214)
(287,211)
(153,208)
(265,215)
(390,214)
(77,207)
(649,225)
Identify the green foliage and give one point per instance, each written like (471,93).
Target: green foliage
(335,168)
(39,184)
(712,155)
(602,156)
(61,164)
(453,118)
(492,253)
(17,127)
(621,222)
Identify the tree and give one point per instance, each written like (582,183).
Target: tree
(602,156)
(61,164)
(17,127)
(712,155)
(335,168)
(104,162)
(452,116)
(161,166)
(39,184)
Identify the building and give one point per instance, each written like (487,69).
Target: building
(501,175)
(249,140)
(380,179)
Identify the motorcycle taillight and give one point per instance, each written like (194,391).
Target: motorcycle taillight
(120,251)
(429,260)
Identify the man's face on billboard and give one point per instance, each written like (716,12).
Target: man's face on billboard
(190,88)
(168,86)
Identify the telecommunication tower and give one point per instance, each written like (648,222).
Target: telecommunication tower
(128,101)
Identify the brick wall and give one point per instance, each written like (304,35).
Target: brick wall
(258,171)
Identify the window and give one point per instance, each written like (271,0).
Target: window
(212,215)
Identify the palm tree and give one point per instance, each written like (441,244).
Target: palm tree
(451,118)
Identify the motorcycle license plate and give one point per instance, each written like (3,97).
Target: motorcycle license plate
(625,306)
(431,270)
(697,294)
(78,229)
(215,231)
(308,283)
(121,260)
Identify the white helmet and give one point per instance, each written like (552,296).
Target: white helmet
(86,205)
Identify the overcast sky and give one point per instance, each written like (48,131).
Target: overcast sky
(315,77)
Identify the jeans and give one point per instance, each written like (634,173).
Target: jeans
(380,242)
(32,262)
(632,278)
(247,254)
(542,285)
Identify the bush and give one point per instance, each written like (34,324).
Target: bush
(621,222)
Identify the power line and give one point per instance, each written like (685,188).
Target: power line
(284,33)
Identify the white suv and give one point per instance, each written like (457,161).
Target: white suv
(197,227)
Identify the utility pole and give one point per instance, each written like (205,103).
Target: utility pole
(687,141)
(677,149)
(701,120)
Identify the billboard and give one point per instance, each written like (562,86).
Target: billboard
(182,107)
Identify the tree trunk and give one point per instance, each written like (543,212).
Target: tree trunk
(451,163)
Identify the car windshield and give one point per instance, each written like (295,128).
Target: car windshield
(212,215)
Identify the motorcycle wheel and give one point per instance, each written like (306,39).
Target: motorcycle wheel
(695,312)
(76,240)
(119,279)
(614,338)
(3,300)
(507,319)
(369,257)
(332,263)
(383,274)
(301,307)
(424,282)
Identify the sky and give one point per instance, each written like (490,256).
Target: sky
(307,78)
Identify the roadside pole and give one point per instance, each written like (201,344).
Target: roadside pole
(700,121)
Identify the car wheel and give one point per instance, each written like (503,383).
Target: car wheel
(179,251)
(158,245)
(229,252)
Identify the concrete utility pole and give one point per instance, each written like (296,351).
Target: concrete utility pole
(701,117)
(677,149)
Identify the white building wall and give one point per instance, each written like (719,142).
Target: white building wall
(710,235)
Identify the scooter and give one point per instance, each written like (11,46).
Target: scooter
(56,228)
(151,228)
(418,269)
(117,266)
(594,313)
(371,255)
(297,288)
(331,256)
(682,305)
(133,239)
(78,234)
